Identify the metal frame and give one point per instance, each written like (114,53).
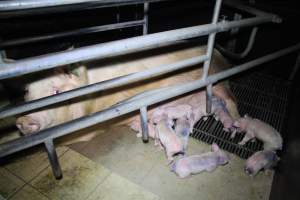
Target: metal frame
(138,102)
(77,32)
(121,47)
(295,68)
(243,54)
(11,8)
(229,52)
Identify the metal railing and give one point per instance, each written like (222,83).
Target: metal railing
(12,8)
(140,101)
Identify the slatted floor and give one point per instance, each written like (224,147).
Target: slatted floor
(259,95)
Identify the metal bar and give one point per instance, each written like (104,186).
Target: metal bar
(101,86)
(208,98)
(295,69)
(146,12)
(14,5)
(53,159)
(76,32)
(231,45)
(209,51)
(248,9)
(144,124)
(2,56)
(86,5)
(246,50)
(120,47)
(211,39)
(124,108)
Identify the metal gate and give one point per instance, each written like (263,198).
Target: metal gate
(115,48)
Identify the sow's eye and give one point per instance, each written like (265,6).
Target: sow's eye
(56,90)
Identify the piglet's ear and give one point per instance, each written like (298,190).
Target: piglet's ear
(215,147)
(246,116)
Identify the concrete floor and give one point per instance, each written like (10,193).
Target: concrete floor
(117,165)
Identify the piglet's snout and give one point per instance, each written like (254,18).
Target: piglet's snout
(27,125)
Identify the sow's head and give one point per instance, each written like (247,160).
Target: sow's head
(50,83)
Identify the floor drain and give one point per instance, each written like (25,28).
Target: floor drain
(259,95)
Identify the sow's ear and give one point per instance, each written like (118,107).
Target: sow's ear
(73,72)
(76,69)
(215,147)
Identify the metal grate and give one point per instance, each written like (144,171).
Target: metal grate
(259,95)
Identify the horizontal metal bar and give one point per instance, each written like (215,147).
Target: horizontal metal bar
(97,87)
(14,5)
(129,106)
(120,47)
(77,32)
(248,9)
(85,5)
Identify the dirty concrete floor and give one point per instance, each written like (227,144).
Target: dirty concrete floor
(117,165)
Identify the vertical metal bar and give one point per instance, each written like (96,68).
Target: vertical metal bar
(136,16)
(209,51)
(208,98)
(295,69)
(2,55)
(231,45)
(1,58)
(146,12)
(53,159)
(144,124)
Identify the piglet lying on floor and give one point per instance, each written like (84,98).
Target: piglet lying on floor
(189,165)
(167,137)
(256,128)
(261,160)
(222,114)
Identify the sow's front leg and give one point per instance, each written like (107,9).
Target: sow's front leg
(223,92)
(220,111)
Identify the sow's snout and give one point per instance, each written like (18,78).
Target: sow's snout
(33,123)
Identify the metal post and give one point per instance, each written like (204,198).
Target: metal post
(231,45)
(144,124)
(53,159)
(146,12)
(208,98)
(295,69)
(1,57)
(209,51)
(2,54)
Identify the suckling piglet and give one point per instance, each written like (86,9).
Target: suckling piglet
(183,128)
(171,142)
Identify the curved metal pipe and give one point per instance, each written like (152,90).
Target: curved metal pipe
(245,52)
